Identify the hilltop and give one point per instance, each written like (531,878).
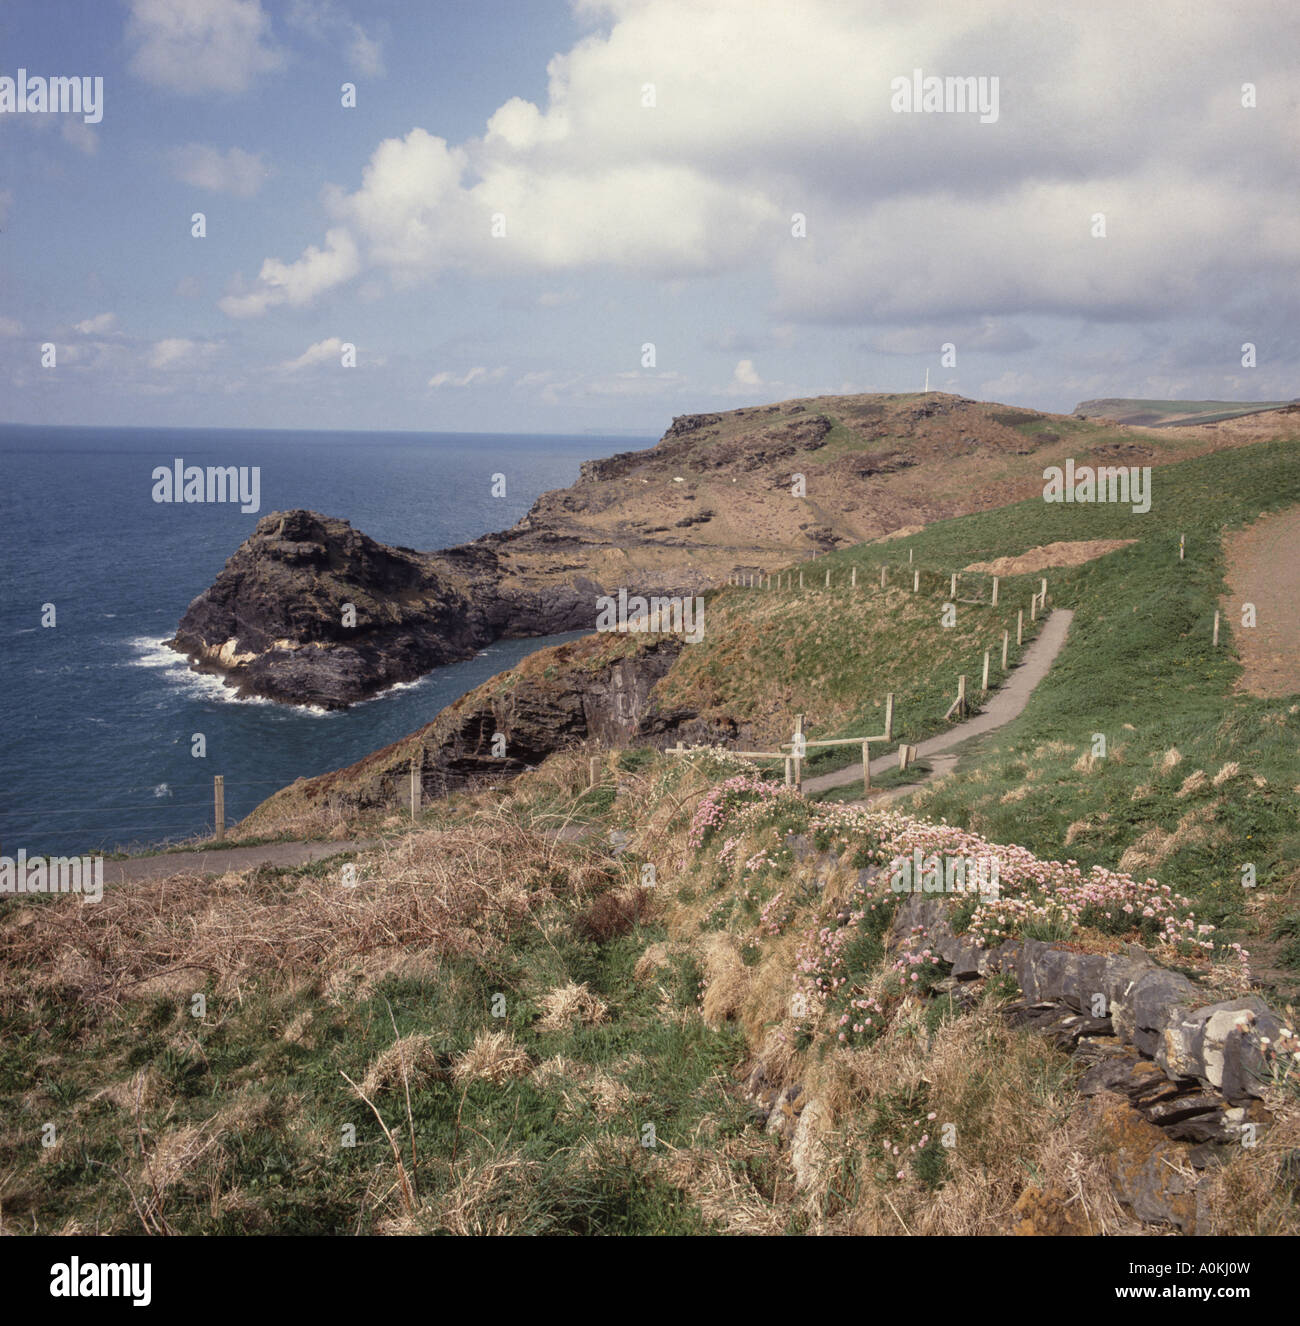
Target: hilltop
(718,494)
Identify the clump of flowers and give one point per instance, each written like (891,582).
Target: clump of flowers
(917,969)
(1035,895)
(777,913)
(721,802)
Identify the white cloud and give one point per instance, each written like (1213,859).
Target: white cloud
(328,351)
(745,375)
(233,171)
(197,46)
(324,20)
(763,109)
(10,328)
(366,53)
(297,282)
(480,374)
(96,326)
(178,351)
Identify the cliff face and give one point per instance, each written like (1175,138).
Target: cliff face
(597,688)
(748,490)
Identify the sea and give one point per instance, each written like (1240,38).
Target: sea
(99,720)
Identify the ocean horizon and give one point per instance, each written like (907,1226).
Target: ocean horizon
(101,718)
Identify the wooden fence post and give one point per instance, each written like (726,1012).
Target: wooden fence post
(1020,628)
(1033,608)
(961,696)
(952,590)
(909,554)
(904,755)
(416,789)
(853,579)
(866,766)
(800,579)
(994,603)
(889,716)
(789,777)
(1182,546)
(798,752)
(219,805)
(593,763)
(1043,593)
(984,685)
(828,579)
(1006,636)
(884,571)
(1216,628)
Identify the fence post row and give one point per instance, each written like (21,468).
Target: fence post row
(219,805)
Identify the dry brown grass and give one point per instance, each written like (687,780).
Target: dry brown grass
(459,890)
(1256,1191)
(571,1004)
(1015,1116)
(494,1057)
(411,1059)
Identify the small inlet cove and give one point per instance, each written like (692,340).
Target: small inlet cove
(104,719)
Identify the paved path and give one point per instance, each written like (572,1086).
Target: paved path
(1006,703)
(132,869)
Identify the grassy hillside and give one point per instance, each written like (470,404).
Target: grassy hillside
(1139,669)
(556,1040)
(504,1028)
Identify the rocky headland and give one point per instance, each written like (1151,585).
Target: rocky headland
(311,611)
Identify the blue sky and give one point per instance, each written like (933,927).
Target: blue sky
(628,223)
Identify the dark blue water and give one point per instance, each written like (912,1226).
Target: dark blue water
(97,719)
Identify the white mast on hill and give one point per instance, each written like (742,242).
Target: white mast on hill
(927,377)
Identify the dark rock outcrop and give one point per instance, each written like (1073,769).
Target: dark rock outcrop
(311,611)
(594,689)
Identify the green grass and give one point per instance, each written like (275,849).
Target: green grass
(1139,668)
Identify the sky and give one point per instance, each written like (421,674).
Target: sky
(591,217)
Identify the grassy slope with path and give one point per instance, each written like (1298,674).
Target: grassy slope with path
(232,1122)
